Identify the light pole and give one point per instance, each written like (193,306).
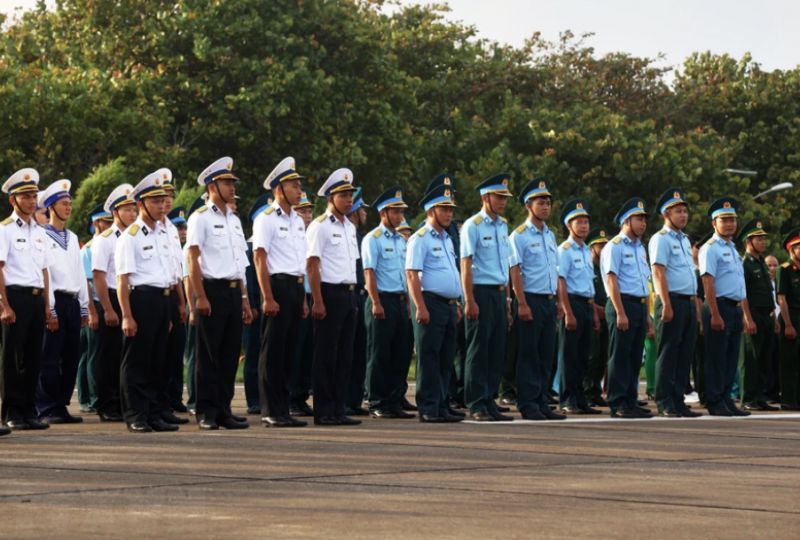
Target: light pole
(773,189)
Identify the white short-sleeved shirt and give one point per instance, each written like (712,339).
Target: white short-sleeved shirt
(335,244)
(144,255)
(223,249)
(283,237)
(103,249)
(23,250)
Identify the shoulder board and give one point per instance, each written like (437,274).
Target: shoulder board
(377,233)
(477,220)
(87,244)
(133,229)
(504,220)
(711,241)
(422,231)
(785,265)
(662,231)
(269,210)
(8,220)
(566,245)
(616,240)
(107,233)
(321,218)
(201,209)
(520,229)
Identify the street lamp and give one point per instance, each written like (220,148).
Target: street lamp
(739,172)
(773,189)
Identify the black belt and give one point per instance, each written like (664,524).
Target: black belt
(65,294)
(541,296)
(230,283)
(491,287)
(579,298)
(35,291)
(448,301)
(689,297)
(288,277)
(340,286)
(639,299)
(112,291)
(399,296)
(147,288)
(734,303)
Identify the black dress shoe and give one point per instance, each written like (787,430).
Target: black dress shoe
(431,419)
(240,419)
(572,410)
(766,407)
(626,414)
(276,421)
(508,402)
(500,408)
(450,418)
(302,409)
(403,415)
(327,421)
(739,412)
(33,423)
(481,416)
(347,421)
(139,427)
(651,397)
(454,404)
(686,413)
(254,410)
(642,410)
(69,419)
(643,402)
(54,420)
(407,405)
(232,423)
(295,422)
(111,417)
(720,411)
(501,417)
(207,425)
(599,402)
(452,412)
(644,413)
(588,410)
(551,400)
(17,425)
(168,417)
(790,407)
(533,415)
(552,415)
(179,407)
(4,431)
(670,413)
(384,415)
(161,426)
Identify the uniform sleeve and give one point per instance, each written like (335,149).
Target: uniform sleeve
(783,281)
(47,260)
(659,249)
(99,257)
(125,256)
(517,245)
(80,271)
(195,231)
(4,243)
(370,251)
(86,259)
(613,259)
(314,241)
(564,262)
(262,239)
(415,254)
(707,260)
(469,239)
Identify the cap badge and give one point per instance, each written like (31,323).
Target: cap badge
(180,213)
(269,201)
(303,195)
(64,186)
(158,182)
(758,224)
(603,234)
(726,205)
(446,181)
(447,193)
(641,204)
(398,195)
(27,177)
(542,185)
(229,166)
(291,165)
(505,181)
(676,195)
(579,206)
(346,178)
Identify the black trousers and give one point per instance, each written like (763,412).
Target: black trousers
(301,379)
(534,353)
(387,353)
(358,369)
(575,347)
(60,358)
(144,356)
(219,341)
(251,337)
(109,347)
(436,345)
(278,346)
(333,350)
(176,348)
(22,354)
(675,341)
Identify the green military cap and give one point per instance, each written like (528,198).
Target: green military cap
(597,235)
(752,228)
(703,240)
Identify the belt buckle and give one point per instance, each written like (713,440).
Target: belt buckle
(232,284)
(351,288)
(166,292)
(300,279)
(451,302)
(643,300)
(35,291)
(549,296)
(738,304)
(501,287)
(590,300)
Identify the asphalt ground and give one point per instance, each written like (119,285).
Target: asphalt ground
(589,478)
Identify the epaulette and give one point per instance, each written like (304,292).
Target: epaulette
(321,218)
(8,220)
(616,240)
(477,220)
(89,243)
(504,220)
(422,231)
(711,241)
(785,265)
(566,245)
(662,231)
(269,210)
(201,209)
(377,233)
(521,228)
(107,233)
(133,229)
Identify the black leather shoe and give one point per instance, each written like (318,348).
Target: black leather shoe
(670,413)
(739,412)
(452,419)
(599,402)
(720,411)
(551,400)
(407,405)
(642,402)
(481,416)
(403,415)
(232,423)
(766,407)
(302,409)
(431,419)
(642,410)
(384,415)
(625,413)
(753,407)
(240,419)
(533,415)
(17,425)
(500,408)
(207,425)
(454,404)
(357,411)
(254,410)
(686,413)
(789,407)
(69,419)
(327,421)
(111,417)
(179,407)
(161,426)
(168,417)
(572,410)
(276,421)
(644,413)
(501,417)
(347,421)
(33,423)
(4,431)
(139,427)
(295,422)
(53,420)
(552,415)
(452,412)
(508,402)
(588,410)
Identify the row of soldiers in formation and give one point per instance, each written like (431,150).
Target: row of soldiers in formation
(438,277)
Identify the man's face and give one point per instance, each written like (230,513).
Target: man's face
(127,213)
(772,264)
(597,249)
(26,202)
(541,207)
(796,252)
(226,188)
(182,232)
(169,198)
(678,215)
(638,225)
(444,214)
(292,190)
(155,206)
(343,201)
(41,217)
(759,243)
(498,202)
(725,226)
(395,216)
(406,234)
(305,213)
(579,226)
(63,208)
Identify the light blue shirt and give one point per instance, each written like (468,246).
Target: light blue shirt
(719,259)
(534,251)
(86,258)
(487,242)
(384,252)
(627,259)
(673,251)
(433,254)
(575,265)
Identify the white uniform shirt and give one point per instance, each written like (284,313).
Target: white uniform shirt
(223,250)
(336,246)
(103,249)
(176,251)
(66,274)
(22,249)
(144,254)
(283,237)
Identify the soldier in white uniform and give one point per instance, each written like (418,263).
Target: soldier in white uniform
(24,302)
(217,260)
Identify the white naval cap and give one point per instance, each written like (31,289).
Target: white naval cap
(151,185)
(121,196)
(339,181)
(54,192)
(166,178)
(283,172)
(22,181)
(219,170)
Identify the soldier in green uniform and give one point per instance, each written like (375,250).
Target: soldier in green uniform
(788,289)
(756,352)
(598,359)
(700,343)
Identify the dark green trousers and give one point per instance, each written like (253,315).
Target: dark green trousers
(87,368)
(575,347)
(722,354)
(675,348)
(790,363)
(598,363)
(358,370)
(436,347)
(486,339)
(700,366)
(625,357)
(537,340)
(387,357)
(755,357)
(508,381)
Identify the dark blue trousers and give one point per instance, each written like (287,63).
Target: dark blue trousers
(61,353)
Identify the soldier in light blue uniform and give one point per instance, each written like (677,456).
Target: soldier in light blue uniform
(576,279)
(626,270)
(485,252)
(723,313)
(534,276)
(434,286)
(676,313)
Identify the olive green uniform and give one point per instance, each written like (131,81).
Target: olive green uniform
(598,359)
(756,351)
(788,284)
